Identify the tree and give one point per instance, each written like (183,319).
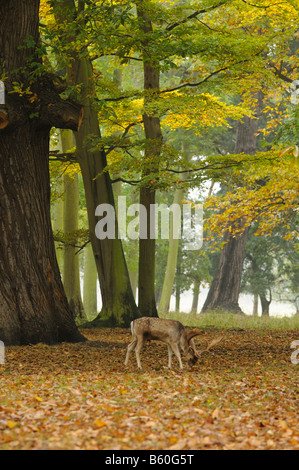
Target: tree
(33,305)
(270,266)
(57,201)
(225,287)
(173,249)
(71,271)
(118,304)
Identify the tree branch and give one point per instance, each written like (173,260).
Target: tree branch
(194,15)
(278,73)
(132,182)
(63,157)
(64,114)
(189,84)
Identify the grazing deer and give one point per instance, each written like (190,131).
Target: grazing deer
(171,332)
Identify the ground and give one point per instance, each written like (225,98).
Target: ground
(242,394)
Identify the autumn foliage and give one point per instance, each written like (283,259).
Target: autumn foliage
(242,394)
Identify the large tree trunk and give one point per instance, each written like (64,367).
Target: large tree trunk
(118,304)
(153,134)
(224,291)
(33,305)
(146,269)
(223,294)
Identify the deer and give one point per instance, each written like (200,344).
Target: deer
(171,332)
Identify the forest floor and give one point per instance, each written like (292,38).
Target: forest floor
(242,394)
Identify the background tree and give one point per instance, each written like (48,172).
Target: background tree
(225,287)
(271,267)
(118,304)
(71,272)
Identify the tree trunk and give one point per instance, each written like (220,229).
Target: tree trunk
(196,288)
(153,135)
(134,281)
(223,294)
(255,311)
(177,297)
(265,303)
(171,258)
(90,283)
(178,276)
(33,305)
(224,291)
(146,269)
(57,221)
(118,304)
(71,272)
(58,228)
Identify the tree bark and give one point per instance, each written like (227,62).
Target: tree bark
(90,282)
(153,135)
(223,294)
(33,305)
(146,269)
(196,288)
(171,259)
(57,220)
(178,281)
(265,303)
(71,271)
(255,310)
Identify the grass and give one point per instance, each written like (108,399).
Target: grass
(230,320)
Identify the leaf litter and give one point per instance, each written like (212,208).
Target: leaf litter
(242,394)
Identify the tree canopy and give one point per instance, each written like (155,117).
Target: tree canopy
(159,95)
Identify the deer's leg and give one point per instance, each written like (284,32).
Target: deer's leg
(137,351)
(176,351)
(130,348)
(169,356)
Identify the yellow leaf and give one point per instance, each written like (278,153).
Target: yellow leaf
(11,424)
(99,423)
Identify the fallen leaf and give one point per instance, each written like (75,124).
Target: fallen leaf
(99,423)
(11,424)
